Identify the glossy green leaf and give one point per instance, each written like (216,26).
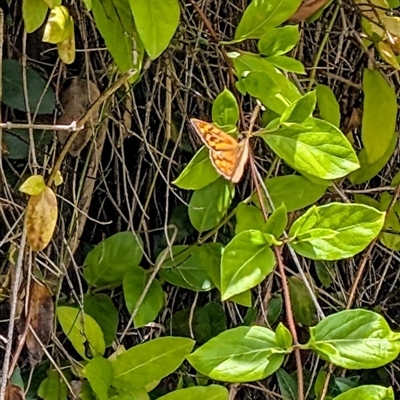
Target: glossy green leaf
(277,221)
(315,147)
(225,110)
(294,191)
(189,267)
(246,261)
(248,217)
(156,21)
(99,373)
(328,106)
(241,354)
(262,15)
(53,387)
(209,205)
(133,285)
(368,170)
(56,29)
(115,22)
(379,116)
(212,392)
(301,109)
(287,64)
(34,13)
(355,339)
(354,227)
(14,94)
(277,41)
(198,173)
(82,330)
(302,305)
(145,363)
(100,307)
(367,392)
(287,384)
(108,262)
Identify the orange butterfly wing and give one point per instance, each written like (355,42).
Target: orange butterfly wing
(227,155)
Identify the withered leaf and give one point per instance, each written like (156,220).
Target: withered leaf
(41,218)
(41,316)
(306,9)
(75,101)
(14,392)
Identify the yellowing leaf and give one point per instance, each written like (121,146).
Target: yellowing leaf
(33,186)
(388,55)
(58,179)
(57,27)
(41,218)
(33,12)
(66,48)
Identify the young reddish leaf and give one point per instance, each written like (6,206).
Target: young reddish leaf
(41,218)
(41,316)
(306,9)
(33,186)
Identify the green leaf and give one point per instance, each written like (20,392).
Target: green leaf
(198,173)
(101,308)
(262,15)
(284,91)
(82,330)
(301,109)
(283,336)
(13,93)
(325,271)
(209,205)
(392,223)
(354,225)
(212,392)
(277,41)
(189,267)
(248,217)
(99,373)
(315,147)
(277,222)
(246,261)
(53,387)
(56,29)
(107,263)
(302,305)
(225,110)
(115,22)
(275,306)
(53,3)
(328,106)
(368,170)
(367,392)
(354,339)
(241,354)
(379,116)
(209,321)
(148,362)
(288,64)
(33,13)
(133,285)
(156,21)
(287,385)
(294,191)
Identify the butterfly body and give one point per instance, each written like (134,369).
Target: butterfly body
(227,155)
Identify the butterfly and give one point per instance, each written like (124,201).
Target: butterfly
(228,155)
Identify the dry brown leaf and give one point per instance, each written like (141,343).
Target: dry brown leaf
(306,9)
(354,121)
(4,148)
(41,218)
(41,315)
(75,101)
(14,392)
